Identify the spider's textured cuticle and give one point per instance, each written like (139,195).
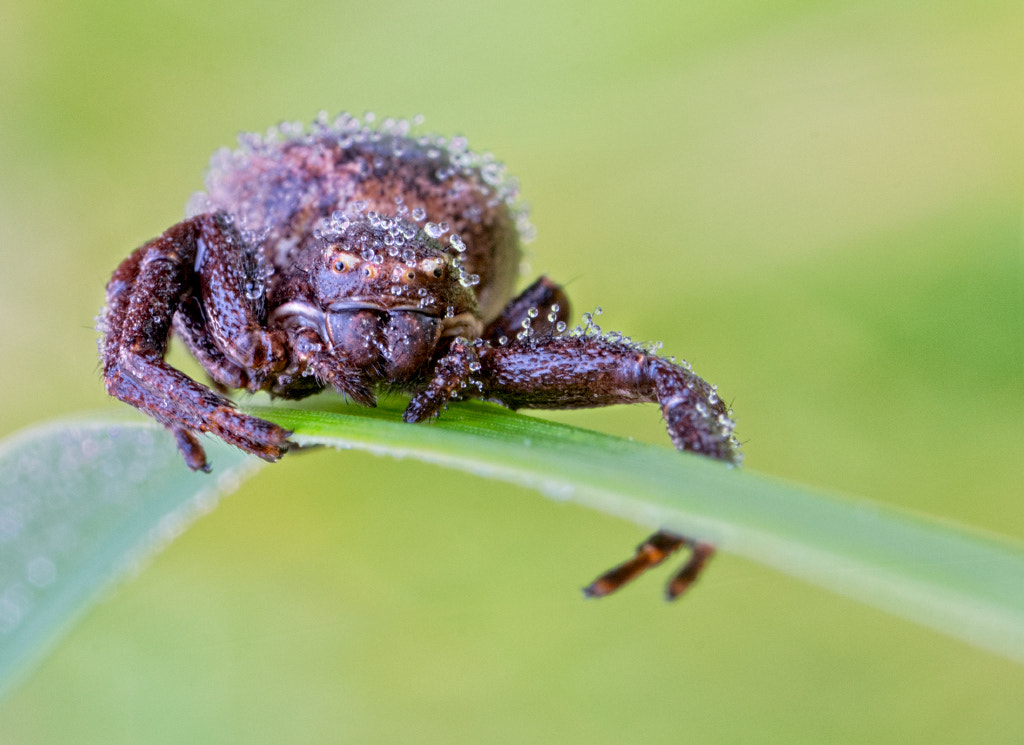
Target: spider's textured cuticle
(359,257)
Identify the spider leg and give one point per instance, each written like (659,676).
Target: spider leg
(536,310)
(232,295)
(580,372)
(191,327)
(451,373)
(650,554)
(142,298)
(584,371)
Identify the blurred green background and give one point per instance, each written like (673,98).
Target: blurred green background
(818,204)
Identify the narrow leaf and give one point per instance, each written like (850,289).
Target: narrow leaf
(81,504)
(84,502)
(948,577)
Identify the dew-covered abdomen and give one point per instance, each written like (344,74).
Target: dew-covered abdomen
(281,186)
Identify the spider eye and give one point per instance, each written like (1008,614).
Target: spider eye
(341,261)
(410,276)
(438,272)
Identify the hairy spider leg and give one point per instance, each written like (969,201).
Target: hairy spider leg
(582,371)
(191,327)
(538,308)
(142,298)
(571,372)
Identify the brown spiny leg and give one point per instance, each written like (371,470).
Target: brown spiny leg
(552,372)
(536,310)
(583,371)
(233,301)
(451,373)
(650,554)
(191,327)
(142,297)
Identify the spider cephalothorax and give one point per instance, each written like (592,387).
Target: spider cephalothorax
(354,257)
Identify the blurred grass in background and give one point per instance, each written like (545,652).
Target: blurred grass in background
(819,205)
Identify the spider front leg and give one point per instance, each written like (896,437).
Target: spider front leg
(573,372)
(203,255)
(536,310)
(585,371)
(191,327)
(451,373)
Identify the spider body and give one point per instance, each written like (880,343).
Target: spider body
(357,258)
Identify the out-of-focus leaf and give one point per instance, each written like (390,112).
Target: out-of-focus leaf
(82,503)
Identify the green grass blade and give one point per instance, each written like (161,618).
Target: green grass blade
(81,504)
(948,577)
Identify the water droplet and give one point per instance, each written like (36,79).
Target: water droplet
(492,173)
(434,230)
(41,571)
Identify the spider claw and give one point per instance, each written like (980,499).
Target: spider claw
(599,588)
(191,450)
(650,554)
(263,439)
(422,407)
(690,571)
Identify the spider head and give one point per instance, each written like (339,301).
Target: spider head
(389,264)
